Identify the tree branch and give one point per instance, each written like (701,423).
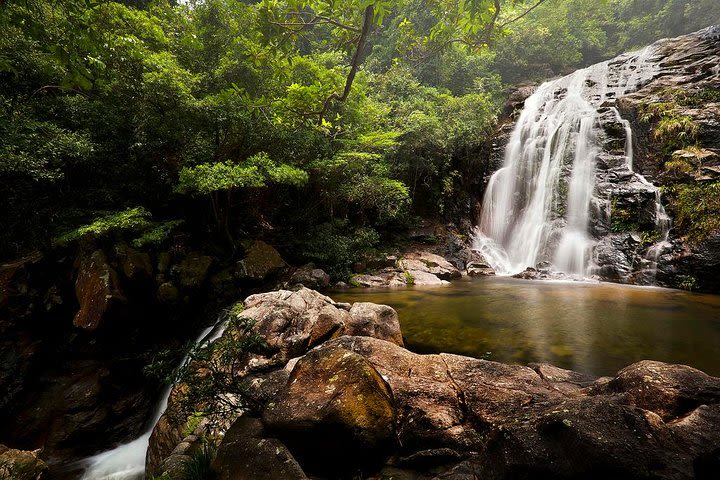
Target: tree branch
(505,24)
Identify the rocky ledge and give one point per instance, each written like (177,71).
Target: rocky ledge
(327,390)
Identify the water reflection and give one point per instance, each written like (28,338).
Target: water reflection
(594,328)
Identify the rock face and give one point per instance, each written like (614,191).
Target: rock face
(97,288)
(671,108)
(364,406)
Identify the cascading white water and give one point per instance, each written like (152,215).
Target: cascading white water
(537,206)
(127,461)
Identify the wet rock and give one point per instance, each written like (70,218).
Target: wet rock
(310,277)
(336,413)
(97,289)
(21,464)
(261,260)
(247,454)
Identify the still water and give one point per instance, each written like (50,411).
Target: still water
(592,328)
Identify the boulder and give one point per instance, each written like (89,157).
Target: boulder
(335,413)
(21,464)
(422,278)
(670,391)
(290,323)
(430,263)
(310,277)
(261,260)
(246,454)
(97,289)
(368,281)
(135,266)
(373,320)
(193,270)
(293,322)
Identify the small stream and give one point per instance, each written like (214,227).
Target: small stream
(596,328)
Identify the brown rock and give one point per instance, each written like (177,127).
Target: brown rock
(135,265)
(667,390)
(193,270)
(246,454)
(293,322)
(97,289)
(430,263)
(261,260)
(310,277)
(21,465)
(373,320)
(336,413)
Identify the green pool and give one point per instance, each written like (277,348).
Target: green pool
(592,328)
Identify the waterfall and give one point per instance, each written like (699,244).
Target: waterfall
(537,207)
(127,461)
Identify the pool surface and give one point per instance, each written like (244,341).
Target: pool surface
(591,328)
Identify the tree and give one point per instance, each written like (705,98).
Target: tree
(349,24)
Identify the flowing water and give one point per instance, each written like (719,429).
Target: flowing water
(595,328)
(537,207)
(127,461)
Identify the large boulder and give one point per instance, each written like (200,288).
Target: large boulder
(261,260)
(335,413)
(97,289)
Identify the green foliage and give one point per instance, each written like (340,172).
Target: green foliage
(213,370)
(336,246)
(197,467)
(118,222)
(256,172)
(156,235)
(409,279)
(689,283)
(697,209)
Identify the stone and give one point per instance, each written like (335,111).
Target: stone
(97,289)
(310,277)
(21,464)
(670,391)
(246,454)
(368,281)
(372,320)
(261,260)
(167,293)
(430,263)
(293,322)
(135,266)
(421,278)
(335,413)
(193,270)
